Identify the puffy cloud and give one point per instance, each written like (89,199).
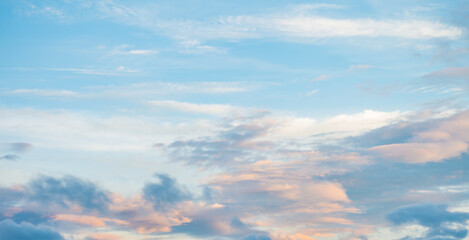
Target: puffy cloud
(26,231)
(165,193)
(82,204)
(66,191)
(441,223)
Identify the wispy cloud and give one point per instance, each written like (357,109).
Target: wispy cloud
(44,92)
(195,47)
(359,67)
(296,23)
(211,109)
(118,71)
(446,139)
(111,72)
(127,50)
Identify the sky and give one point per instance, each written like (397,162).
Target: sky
(234,120)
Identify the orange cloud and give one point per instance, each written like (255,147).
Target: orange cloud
(88,220)
(104,236)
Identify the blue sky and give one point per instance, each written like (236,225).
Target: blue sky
(251,120)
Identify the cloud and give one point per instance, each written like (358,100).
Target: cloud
(150,89)
(118,71)
(79,131)
(359,67)
(284,24)
(256,237)
(165,193)
(210,109)
(275,196)
(76,203)
(26,231)
(44,92)
(441,223)
(335,127)
(421,152)
(20,147)
(88,220)
(66,191)
(124,50)
(294,23)
(447,80)
(195,47)
(217,222)
(28,216)
(12,157)
(230,146)
(438,141)
(451,72)
(103,236)
(321,78)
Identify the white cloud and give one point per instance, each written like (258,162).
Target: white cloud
(140,90)
(44,92)
(321,78)
(81,131)
(124,50)
(359,67)
(104,72)
(295,23)
(211,109)
(336,127)
(195,47)
(142,52)
(312,92)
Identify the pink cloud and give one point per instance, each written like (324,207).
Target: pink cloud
(104,236)
(88,220)
(446,139)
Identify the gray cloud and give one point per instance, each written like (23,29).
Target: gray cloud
(61,191)
(10,230)
(11,157)
(220,223)
(165,193)
(228,147)
(20,147)
(28,216)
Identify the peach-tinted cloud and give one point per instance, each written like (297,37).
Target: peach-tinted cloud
(104,236)
(142,217)
(88,220)
(422,152)
(445,139)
